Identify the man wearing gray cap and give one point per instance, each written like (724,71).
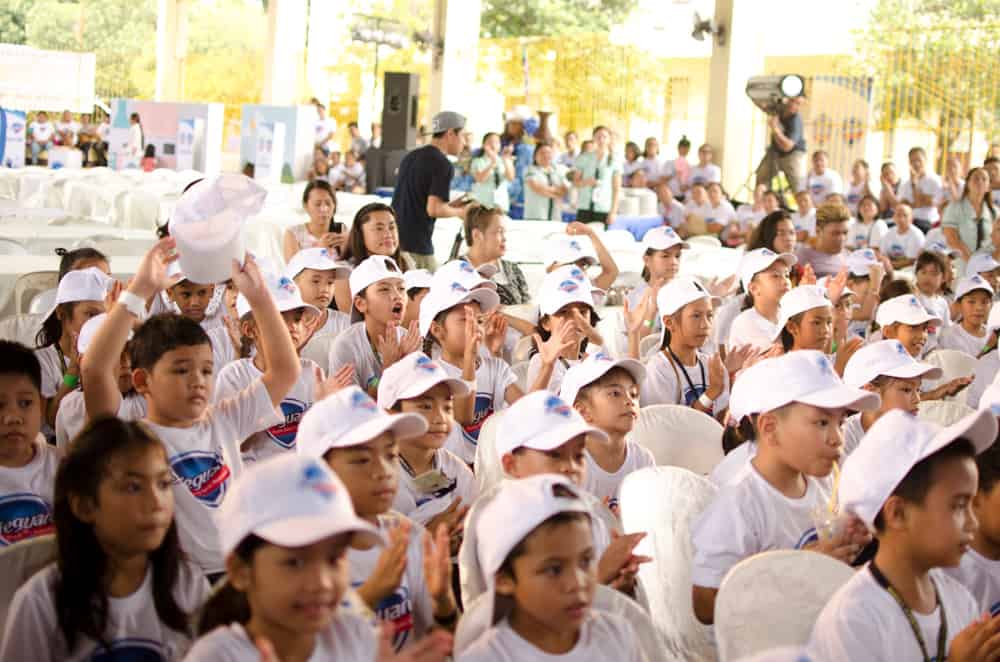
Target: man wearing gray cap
(423,187)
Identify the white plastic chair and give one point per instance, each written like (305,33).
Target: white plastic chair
(21,328)
(142,210)
(42,302)
(478,614)
(28,285)
(705,240)
(19,563)
(953,364)
(648,346)
(773,599)
(318,349)
(11,247)
(521,371)
(664,502)
(679,436)
(489,471)
(522,350)
(943,412)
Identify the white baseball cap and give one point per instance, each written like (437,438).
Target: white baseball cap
(906,309)
(571,249)
(417,278)
(564,286)
(678,293)
(888,358)
(444,296)
(979,263)
(661,238)
(892,447)
(805,376)
(412,376)
(799,300)
(89,329)
(593,368)
(320,259)
(861,260)
(971,284)
(540,421)
(350,417)
(90,284)
(371,270)
(516,510)
(292,501)
(286,296)
(462,271)
(759,259)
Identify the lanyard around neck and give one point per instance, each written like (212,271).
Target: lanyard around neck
(687,377)
(942,642)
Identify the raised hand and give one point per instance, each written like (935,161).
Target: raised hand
(327,386)
(249,280)
(411,340)
(495,333)
(978,642)
(111,296)
(437,571)
(716,377)
(740,356)
(435,647)
(845,352)
(453,519)
(808,275)
(619,557)
(560,340)
(151,275)
(721,288)
(835,286)
(473,339)
(388,572)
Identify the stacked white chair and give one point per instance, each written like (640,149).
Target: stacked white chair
(943,412)
(679,436)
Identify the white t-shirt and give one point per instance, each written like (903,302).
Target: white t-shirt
(205,458)
(52,369)
(279,438)
(420,506)
(722,214)
(821,186)
(72,415)
(805,222)
(724,316)
(104,130)
(705,175)
(655,171)
(604,485)
(558,371)
(352,347)
(674,216)
(981,576)
(493,378)
(134,629)
(750,327)
(409,609)
(335,323)
(749,218)
(72,127)
(895,245)
(348,639)
(26,496)
(343,175)
(324,127)
(862,621)
(666,385)
(223,352)
(861,235)
(703,211)
(853,432)
(929,184)
(854,194)
(603,636)
(749,517)
(956,337)
(41,131)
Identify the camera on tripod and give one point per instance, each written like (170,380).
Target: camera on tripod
(769,93)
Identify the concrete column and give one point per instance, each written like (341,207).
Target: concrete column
(453,68)
(285,58)
(171,49)
(729,124)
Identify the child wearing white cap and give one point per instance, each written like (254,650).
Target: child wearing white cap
(606,393)
(805,320)
(582,247)
(661,262)
(418,284)
(903,318)
(298,318)
(886,368)
(172,369)
(974,297)
(535,545)
(286,530)
(435,485)
(913,484)
(797,404)
(764,276)
(985,265)
(377,338)
(408,583)
(316,272)
(864,279)
(450,317)
(681,373)
(979,569)
(72,414)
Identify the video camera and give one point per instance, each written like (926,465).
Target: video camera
(769,93)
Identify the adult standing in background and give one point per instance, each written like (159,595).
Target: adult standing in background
(359,145)
(787,151)
(492,172)
(597,176)
(544,186)
(423,187)
(136,140)
(326,130)
(968,221)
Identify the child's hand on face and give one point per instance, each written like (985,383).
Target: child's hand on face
(389,569)
(977,642)
(327,386)
(411,340)
(560,340)
(435,647)
(835,286)
(392,348)
(496,332)
(619,558)
(151,275)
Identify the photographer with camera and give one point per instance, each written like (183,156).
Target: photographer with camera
(787,151)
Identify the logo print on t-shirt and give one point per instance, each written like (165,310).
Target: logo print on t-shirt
(397,612)
(995,609)
(465,266)
(284,433)
(131,650)
(483,410)
(23,516)
(205,475)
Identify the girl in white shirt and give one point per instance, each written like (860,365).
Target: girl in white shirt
(119,586)
(804,217)
(660,263)
(764,275)
(973,296)
(930,270)
(858,188)
(867,230)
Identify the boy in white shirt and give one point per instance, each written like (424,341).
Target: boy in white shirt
(804,218)
(912,483)
(535,545)
(800,405)
(886,368)
(922,191)
(40,134)
(172,368)
(705,172)
(823,181)
(902,243)
(375,340)
(315,271)
(606,393)
(973,297)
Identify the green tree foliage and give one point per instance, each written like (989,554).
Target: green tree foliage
(13,21)
(526,18)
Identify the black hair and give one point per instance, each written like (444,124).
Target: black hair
(16,359)
(927,258)
(355,251)
(414,292)
(584,393)
(81,600)
(150,151)
(226,605)
(895,288)
(787,339)
(987,199)
(70,258)
(766,232)
(743,432)
(918,482)
(161,334)
(684,142)
(635,148)
(52,328)
(429,339)
(190,184)
(988,463)
(321,185)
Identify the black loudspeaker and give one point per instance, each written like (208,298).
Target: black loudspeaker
(399,111)
(382,166)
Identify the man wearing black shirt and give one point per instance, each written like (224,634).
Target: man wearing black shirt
(787,151)
(423,187)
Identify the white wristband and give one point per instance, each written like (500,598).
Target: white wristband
(705,401)
(133,303)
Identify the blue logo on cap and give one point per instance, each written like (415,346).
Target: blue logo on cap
(824,366)
(23,516)
(575,245)
(284,433)
(913,302)
(554,405)
(458,287)
(205,475)
(426,364)
(568,286)
(669,231)
(869,254)
(577,274)
(362,401)
(767,252)
(601,356)
(898,346)
(286,284)
(466,267)
(131,650)
(316,480)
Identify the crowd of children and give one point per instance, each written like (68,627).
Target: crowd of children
(253,470)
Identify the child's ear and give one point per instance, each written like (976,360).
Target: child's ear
(140,381)
(505,584)
(894,512)
(585,411)
(509,464)
(870,387)
(83,508)
(248,329)
(238,572)
(767,425)
(360,304)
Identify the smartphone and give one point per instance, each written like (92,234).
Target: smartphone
(337,227)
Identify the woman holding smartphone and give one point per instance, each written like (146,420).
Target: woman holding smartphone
(320,203)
